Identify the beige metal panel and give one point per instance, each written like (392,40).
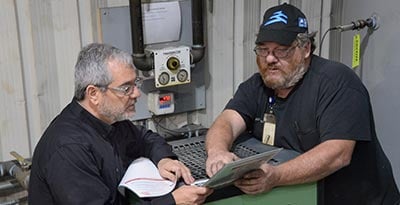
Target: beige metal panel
(219,54)
(325,24)
(67,45)
(89,21)
(13,119)
(28,65)
(113,3)
(45,62)
(266,4)
(318,14)
(331,47)
(246,23)
(312,10)
(238,46)
(117,3)
(86,21)
(250,28)
(56,42)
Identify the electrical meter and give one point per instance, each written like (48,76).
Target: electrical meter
(160,103)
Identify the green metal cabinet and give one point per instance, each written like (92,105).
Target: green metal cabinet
(304,194)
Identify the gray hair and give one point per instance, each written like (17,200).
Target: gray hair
(305,38)
(92,66)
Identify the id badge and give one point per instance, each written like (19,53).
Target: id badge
(269,129)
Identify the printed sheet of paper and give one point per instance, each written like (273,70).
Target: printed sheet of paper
(161,22)
(143,178)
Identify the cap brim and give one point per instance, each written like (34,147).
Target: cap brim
(278,36)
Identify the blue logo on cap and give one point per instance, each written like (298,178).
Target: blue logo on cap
(277,17)
(303,22)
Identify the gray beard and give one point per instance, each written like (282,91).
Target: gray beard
(296,76)
(291,79)
(113,113)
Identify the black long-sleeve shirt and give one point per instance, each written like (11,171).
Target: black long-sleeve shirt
(81,160)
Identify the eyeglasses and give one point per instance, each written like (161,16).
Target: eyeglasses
(126,89)
(278,52)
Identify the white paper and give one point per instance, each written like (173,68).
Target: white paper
(161,22)
(143,178)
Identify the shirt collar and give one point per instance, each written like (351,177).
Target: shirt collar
(103,128)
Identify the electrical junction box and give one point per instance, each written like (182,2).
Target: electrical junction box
(171,66)
(160,103)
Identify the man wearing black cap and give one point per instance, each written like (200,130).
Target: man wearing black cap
(305,103)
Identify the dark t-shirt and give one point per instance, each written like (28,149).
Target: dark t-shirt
(81,160)
(330,102)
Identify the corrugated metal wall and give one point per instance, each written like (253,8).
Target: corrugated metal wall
(41,38)
(13,130)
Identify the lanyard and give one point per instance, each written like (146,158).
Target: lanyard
(271,103)
(269,123)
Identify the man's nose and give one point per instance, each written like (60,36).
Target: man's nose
(270,58)
(136,93)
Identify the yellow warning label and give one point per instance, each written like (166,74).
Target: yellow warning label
(356,51)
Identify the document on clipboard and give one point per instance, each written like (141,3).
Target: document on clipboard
(236,169)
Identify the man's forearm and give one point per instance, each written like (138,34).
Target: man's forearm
(316,164)
(217,141)
(224,131)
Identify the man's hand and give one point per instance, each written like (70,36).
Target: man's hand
(216,160)
(174,169)
(191,195)
(220,137)
(258,181)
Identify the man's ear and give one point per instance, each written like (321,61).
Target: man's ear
(307,50)
(93,94)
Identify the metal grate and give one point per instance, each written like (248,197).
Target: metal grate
(193,155)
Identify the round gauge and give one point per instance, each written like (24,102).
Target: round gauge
(163,78)
(182,75)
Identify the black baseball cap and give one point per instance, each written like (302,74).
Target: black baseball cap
(281,24)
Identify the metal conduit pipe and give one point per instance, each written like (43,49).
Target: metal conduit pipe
(146,63)
(141,61)
(12,168)
(8,185)
(198,48)
(13,202)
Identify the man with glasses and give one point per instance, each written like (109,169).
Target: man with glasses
(83,154)
(305,103)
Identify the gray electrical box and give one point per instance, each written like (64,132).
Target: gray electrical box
(116,30)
